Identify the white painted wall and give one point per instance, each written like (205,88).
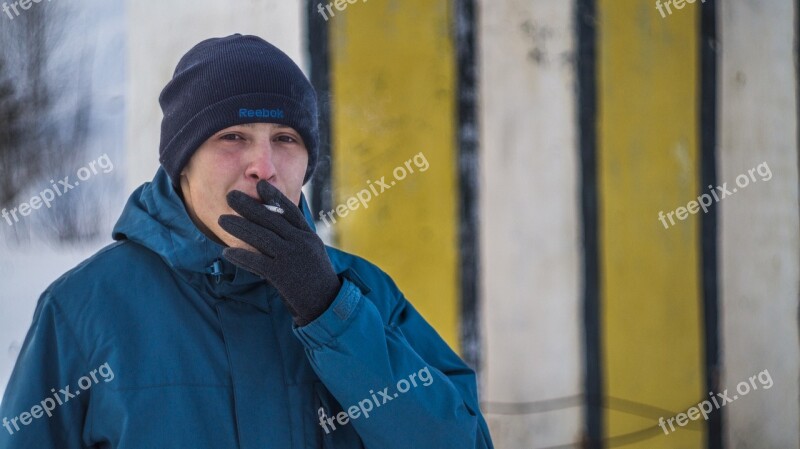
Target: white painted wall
(529,205)
(759,224)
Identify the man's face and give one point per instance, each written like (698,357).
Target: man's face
(236,158)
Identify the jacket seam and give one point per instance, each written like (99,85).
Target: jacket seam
(230,374)
(59,311)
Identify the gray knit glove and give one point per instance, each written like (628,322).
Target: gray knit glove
(291,256)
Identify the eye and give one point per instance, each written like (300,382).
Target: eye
(231,137)
(286,138)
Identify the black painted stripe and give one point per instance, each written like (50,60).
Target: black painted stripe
(468,176)
(319,52)
(586,23)
(708,222)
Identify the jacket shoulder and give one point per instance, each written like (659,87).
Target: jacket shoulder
(119,263)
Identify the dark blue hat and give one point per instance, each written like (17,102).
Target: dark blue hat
(229,81)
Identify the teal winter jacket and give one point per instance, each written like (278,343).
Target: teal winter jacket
(157,341)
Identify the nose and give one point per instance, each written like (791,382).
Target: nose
(261,165)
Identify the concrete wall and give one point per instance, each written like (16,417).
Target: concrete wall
(759,249)
(529,212)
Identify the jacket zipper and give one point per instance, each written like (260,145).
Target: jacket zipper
(215,270)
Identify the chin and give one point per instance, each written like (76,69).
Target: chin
(242,245)
(233,242)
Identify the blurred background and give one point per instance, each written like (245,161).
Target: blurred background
(556,131)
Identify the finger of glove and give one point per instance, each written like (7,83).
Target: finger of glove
(260,238)
(292,213)
(249,260)
(256,212)
(257,264)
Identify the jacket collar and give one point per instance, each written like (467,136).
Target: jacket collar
(156,218)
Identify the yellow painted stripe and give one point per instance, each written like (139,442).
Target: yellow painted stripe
(648,160)
(394,86)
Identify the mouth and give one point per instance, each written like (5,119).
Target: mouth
(254,195)
(272,206)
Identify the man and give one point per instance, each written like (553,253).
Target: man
(219,319)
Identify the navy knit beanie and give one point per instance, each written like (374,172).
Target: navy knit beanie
(229,81)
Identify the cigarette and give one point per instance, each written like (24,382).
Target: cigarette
(272,208)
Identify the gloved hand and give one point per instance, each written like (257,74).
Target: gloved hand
(291,256)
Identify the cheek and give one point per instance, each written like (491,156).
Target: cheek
(210,201)
(223,164)
(291,169)
(300,166)
(208,207)
(222,172)
(300,172)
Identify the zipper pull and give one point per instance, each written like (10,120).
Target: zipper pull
(215,270)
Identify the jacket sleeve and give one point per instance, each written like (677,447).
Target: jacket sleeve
(398,382)
(40,409)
